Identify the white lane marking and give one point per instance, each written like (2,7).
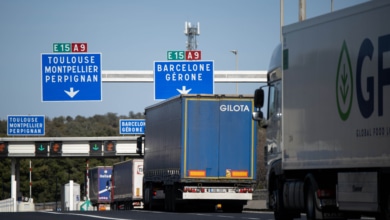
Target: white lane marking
(92,216)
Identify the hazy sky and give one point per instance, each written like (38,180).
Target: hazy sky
(131,35)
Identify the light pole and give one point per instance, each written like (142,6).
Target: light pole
(30,180)
(235,52)
(56,194)
(281,19)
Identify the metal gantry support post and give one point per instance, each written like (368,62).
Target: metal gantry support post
(13,182)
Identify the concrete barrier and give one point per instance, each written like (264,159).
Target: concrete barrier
(26,206)
(256,205)
(259,202)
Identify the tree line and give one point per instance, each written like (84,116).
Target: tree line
(48,175)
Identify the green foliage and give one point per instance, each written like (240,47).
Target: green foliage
(50,174)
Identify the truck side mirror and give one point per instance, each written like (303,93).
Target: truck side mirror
(257,116)
(140,141)
(259,98)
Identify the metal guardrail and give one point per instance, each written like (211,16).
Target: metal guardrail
(52,206)
(7,205)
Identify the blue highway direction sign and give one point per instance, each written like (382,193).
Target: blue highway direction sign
(71,77)
(173,78)
(132,126)
(25,125)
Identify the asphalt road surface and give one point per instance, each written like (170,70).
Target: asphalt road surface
(135,215)
(138,215)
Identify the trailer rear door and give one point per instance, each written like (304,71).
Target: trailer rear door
(219,138)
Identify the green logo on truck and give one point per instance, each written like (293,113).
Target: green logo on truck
(344,83)
(370,88)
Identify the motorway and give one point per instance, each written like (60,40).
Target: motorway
(135,215)
(254,210)
(139,214)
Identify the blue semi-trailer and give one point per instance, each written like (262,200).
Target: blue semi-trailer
(200,150)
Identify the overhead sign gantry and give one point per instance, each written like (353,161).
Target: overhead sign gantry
(70,147)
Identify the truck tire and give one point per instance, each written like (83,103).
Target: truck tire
(148,196)
(166,200)
(310,204)
(280,213)
(128,205)
(174,206)
(145,201)
(232,208)
(168,206)
(170,203)
(385,209)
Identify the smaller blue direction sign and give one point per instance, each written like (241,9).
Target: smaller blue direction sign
(173,78)
(71,77)
(132,126)
(25,125)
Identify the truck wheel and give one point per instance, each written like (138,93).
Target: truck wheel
(150,205)
(167,199)
(170,199)
(310,204)
(128,205)
(280,213)
(148,196)
(385,214)
(232,208)
(173,199)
